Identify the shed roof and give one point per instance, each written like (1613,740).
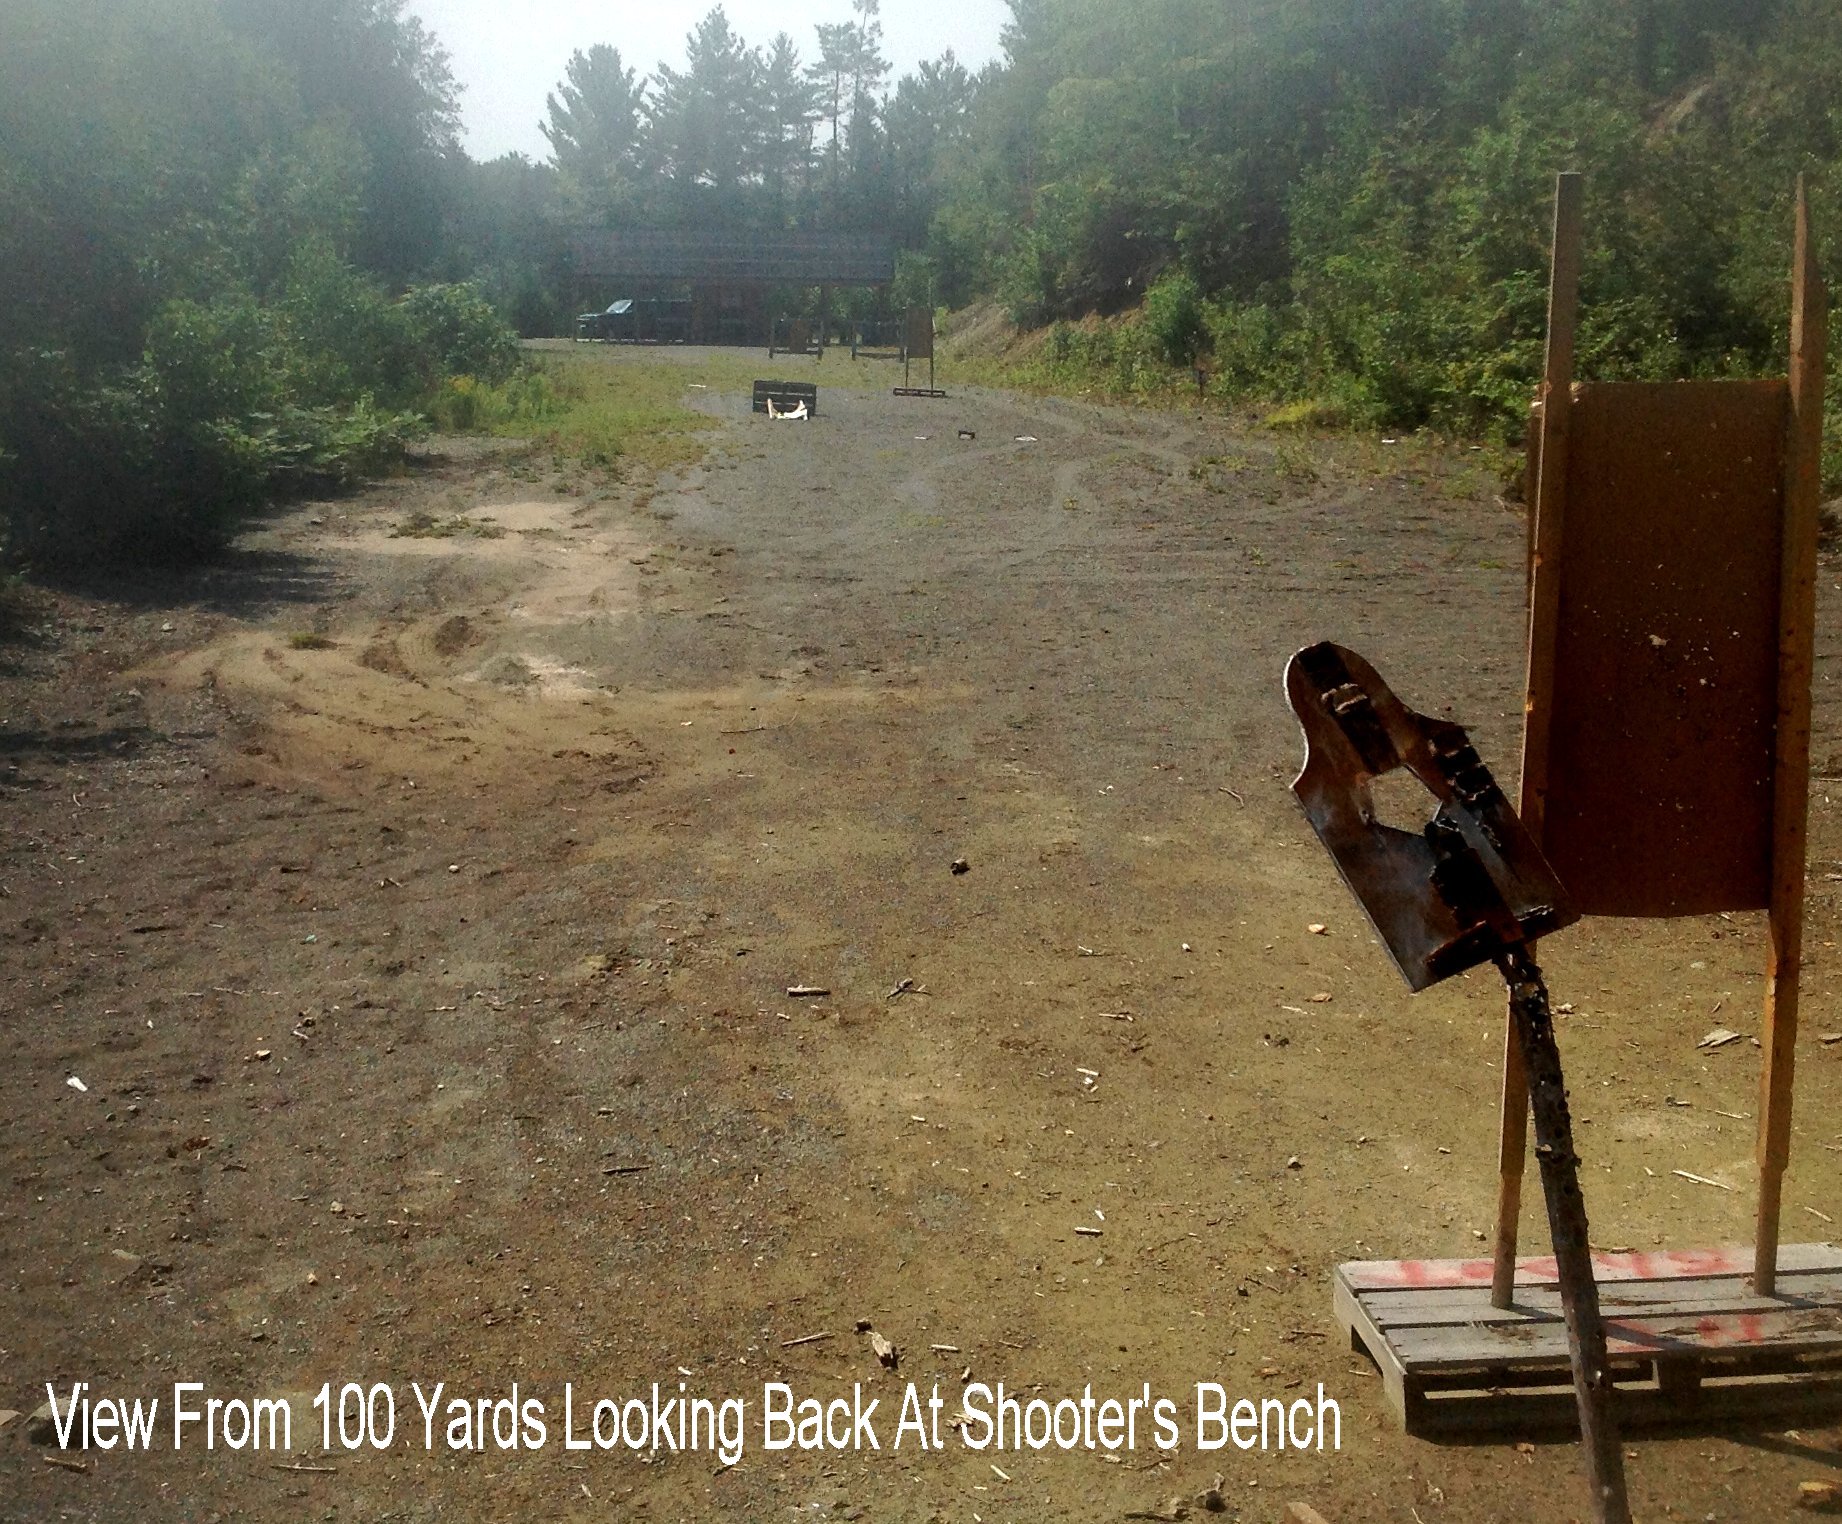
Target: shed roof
(803,259)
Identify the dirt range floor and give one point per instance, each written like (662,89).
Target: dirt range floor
(420,914)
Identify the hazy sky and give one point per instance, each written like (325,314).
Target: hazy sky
(508,57)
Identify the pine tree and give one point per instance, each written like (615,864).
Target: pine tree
(706,123)
(790,108)
(594,132)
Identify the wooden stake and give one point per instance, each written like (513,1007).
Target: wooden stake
(1546,506)
(1791,747)
(1512,1150)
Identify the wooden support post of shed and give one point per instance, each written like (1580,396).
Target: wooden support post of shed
(1547,504)
(1791,749)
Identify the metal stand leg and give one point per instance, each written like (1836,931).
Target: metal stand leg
(1560,1183)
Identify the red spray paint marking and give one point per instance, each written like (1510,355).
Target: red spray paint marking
(1539,1270)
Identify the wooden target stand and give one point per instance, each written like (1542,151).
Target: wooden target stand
(1665,772)
(918,344)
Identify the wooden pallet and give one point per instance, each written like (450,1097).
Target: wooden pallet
(1689,1341)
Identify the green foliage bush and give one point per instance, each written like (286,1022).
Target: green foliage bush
(1174,318)
(99,468)
(346,337)
(159,462)
(1252,350)
(461,332)
(206,215)
(212,360)
(1114,356)
(232,403)
(318,449)
(1025,281)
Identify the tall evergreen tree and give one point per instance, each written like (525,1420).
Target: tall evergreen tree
(790,108)
(926,120)
(849,75)
(706,123)
(594,129)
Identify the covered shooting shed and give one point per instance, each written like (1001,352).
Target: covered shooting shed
(729,276)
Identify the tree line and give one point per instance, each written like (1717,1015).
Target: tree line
(746,137)
(1340,201)
(1348,200)
(740,138)
(241,247)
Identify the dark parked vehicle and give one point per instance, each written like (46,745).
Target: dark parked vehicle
(642,320)
(603,325)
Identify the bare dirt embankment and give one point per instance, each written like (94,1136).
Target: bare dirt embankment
(419,912)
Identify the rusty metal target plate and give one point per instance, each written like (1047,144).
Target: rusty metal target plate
(1659,794)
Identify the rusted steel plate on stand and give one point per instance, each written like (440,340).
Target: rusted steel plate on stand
(1659,787)
(918,342)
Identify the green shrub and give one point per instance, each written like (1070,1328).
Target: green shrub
(461,332)
(160,462)
(461,405)
(318,449)
(232,403)
(1174,318)
(1309,413)
(1026,281)
(346,338)
(1113,356)
(1250,347)
(95,468)
(220,360)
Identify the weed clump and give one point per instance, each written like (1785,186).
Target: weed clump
(422,525)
